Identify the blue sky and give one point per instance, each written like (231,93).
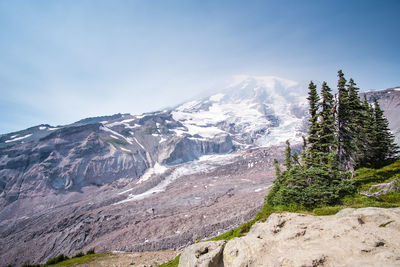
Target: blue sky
(61,61)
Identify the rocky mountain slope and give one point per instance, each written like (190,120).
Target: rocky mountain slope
(156,181)
(389,100)
(352,237)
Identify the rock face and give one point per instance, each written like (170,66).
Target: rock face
(203,254)
(352,237)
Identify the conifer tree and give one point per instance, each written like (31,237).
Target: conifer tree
(344,137)
(277,169)
(327,139)
(288,156)
(313,100)
(355,123)
(383,140)
(366,134)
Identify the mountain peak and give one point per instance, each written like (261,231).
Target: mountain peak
(264,81)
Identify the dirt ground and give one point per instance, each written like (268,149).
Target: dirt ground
(122,259)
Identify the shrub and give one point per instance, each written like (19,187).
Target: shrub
(57,259)
(79,254)
(90,251)
(27,264)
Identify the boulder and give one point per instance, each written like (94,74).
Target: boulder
(352,237)
(203,254)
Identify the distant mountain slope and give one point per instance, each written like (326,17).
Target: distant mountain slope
(259,111)
(389,100)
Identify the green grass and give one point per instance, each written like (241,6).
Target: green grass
(365,177)
(172,263)
(80,260)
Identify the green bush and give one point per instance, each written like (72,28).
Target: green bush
(27,264)
(90,251)
(309,188)
(79,254)
(57,259)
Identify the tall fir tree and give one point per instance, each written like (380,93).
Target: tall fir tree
(383,140)
(355,124)
(342,118)
(313,138)
(366,134)
(288,156)
(327,135)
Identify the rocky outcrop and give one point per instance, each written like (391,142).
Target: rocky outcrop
(352,237)
(203,254)
(381,189)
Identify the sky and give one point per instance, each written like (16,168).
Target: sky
(61,61)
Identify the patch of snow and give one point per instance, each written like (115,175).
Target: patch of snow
(188,105)
(397,89)
(115,137)
(128,120)
(139,143)
(18,138)
(258,190)
(217,97)
(126,150)
(42,128)
(204,164)
(207,132)
(52,129)
(157,169)
(12,137)
(106,129)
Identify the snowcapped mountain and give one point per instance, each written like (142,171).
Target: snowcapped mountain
(261,111)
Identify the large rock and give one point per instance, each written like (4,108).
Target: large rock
(203,254)
(353,237)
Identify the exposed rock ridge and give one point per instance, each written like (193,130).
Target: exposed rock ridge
(352,237)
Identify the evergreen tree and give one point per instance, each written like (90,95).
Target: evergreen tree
(366,134)
(327,138)
(313,100)
(277,169)
(343,132)
(383,140)
(288,156)
(355,124)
